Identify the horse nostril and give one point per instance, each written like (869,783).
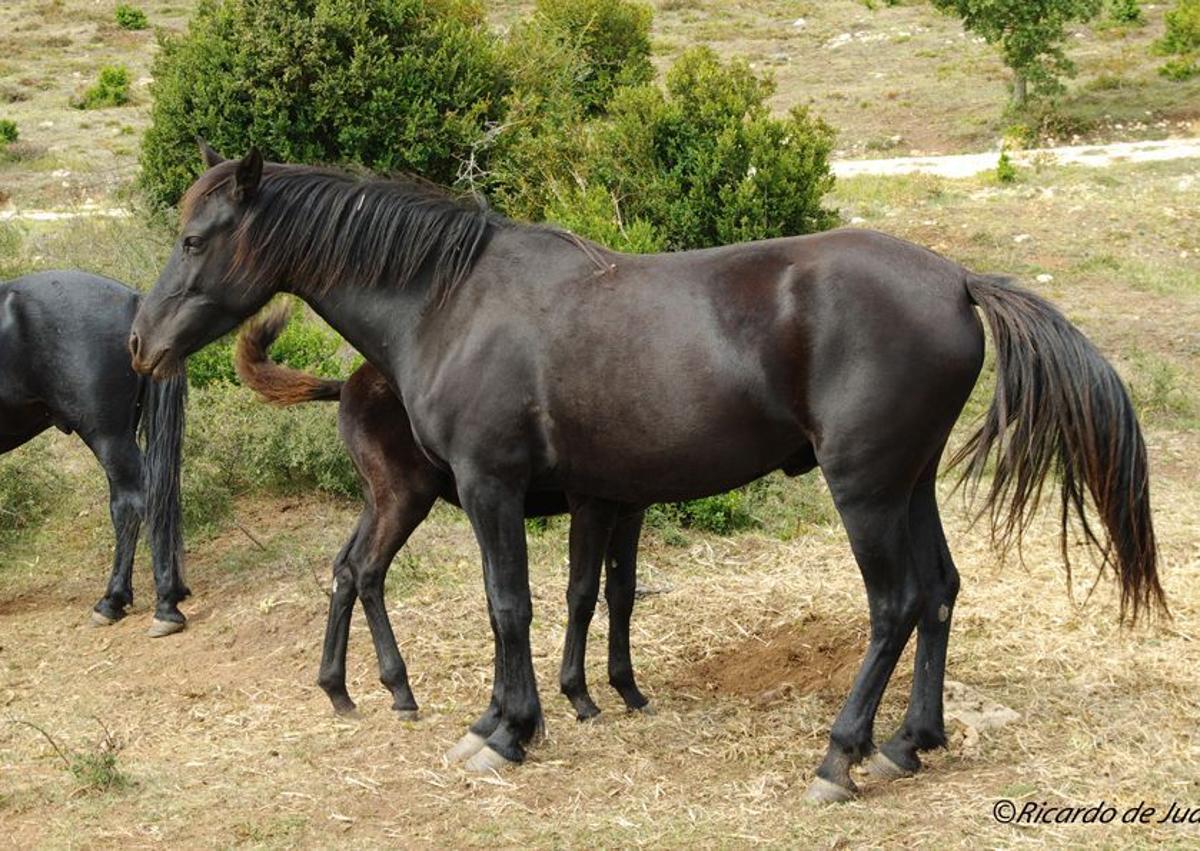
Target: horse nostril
(134,344)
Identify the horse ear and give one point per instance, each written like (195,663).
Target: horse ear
(211,158)
(248,175)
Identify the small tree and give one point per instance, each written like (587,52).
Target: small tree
(1029,34)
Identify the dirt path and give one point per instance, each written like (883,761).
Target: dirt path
(952,166)
(967,165)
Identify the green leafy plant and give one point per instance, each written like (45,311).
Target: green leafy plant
(1030,36)
(1125,11)
(8,132)
(131,17)
(393,85)
(111,89)
(1181,41)
(1006,172)
(702,163)
(612,38)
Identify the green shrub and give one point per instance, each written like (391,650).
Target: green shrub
(612,38)
(8,132)
(130,17)
(1125,11)
(1006,172)
(1183,30)
(389,84)
(1180,69)
(1181,41)
(705,163)
(111,89)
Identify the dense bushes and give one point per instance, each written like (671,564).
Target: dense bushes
(612,40)
(388,84)
(704,163)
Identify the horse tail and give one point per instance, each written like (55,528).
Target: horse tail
(164,407)
(274,383)
(1060,406)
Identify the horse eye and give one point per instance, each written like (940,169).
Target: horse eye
(192,244)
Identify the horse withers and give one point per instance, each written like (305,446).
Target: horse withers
(530,361)
(400,486)
(64,363)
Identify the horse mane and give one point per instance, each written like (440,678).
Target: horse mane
(319,228)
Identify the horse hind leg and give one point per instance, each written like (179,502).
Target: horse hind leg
(923,727)
(370,557)
(592,523)
(332,675)
(121,460)
(877,524)
(620,585)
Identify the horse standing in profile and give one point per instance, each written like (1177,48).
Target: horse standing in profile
(530,362)
(400,486)
(64,363)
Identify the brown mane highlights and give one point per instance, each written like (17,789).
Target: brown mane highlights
(317,228)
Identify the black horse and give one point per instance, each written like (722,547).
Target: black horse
(400,486)
(529,360)
(64,363)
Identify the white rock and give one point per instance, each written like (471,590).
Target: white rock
(800,23)
(1044,278)
(1022,237)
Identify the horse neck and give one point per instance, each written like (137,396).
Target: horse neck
(377,321)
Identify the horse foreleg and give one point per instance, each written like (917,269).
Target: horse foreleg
(496,507)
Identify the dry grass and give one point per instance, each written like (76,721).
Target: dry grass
(227,740)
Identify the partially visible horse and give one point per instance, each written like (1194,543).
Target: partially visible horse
(529,362)
(64,363)
(400,486)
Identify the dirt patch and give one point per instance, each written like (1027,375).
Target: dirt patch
(813,656)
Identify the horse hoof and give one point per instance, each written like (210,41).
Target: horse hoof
(882,767)
(487,761)
(469,745)
(408,714)
(99,619)
(159,628)
(646,709)
(824,791)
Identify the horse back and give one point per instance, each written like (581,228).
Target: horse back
(63,350)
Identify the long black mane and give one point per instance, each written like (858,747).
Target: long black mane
(316,228)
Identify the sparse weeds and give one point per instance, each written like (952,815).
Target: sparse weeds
(95,769)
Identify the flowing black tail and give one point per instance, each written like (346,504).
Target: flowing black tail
(1060,406)
(164,405)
